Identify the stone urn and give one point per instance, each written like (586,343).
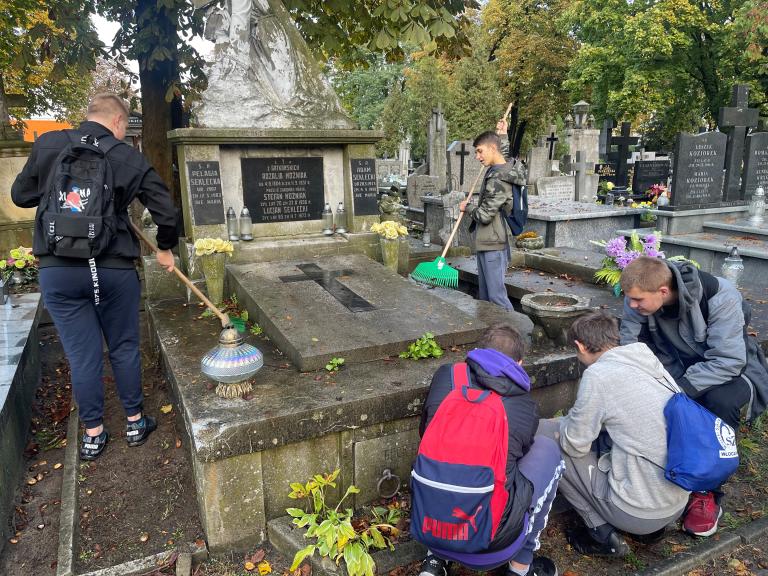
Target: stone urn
(535,243)
(390,252)
(212,266)
(552,314)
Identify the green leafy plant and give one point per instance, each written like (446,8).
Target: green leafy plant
(332,527)
(647,216)
(334,364)
(255,330)
(424,347)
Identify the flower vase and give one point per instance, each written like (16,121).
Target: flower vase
(390,253)
(212,266)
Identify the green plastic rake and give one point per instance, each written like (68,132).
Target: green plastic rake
(439,273)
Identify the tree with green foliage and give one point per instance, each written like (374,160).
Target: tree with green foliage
(47,48)
(669,64)
(533,53)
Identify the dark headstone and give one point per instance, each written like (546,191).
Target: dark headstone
(606,172)
(283,189)
(623,143)
(698,172)
(735,120)
(755,164)
(648,173)
(205,193)
(365,189)
(605,137)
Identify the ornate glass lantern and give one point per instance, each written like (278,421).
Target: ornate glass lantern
(341,218)
(233,229)
(246,225)
(733,267)
(327,219)
(757,207)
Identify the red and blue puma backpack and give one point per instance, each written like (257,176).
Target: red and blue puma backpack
(458,481)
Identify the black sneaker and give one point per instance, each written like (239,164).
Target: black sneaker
(92,446)
(137,432)
(615,546)
(649,539)
(433,566)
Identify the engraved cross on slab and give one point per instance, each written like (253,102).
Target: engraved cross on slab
(328,280)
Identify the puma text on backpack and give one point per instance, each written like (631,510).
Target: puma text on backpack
(77,210)
(458,480)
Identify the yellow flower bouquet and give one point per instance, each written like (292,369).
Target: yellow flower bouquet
(207,246)
(212,252)
(389,229)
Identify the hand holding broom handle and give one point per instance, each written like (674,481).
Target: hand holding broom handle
(211,306)
(461,215)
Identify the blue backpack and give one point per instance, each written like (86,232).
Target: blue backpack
(517,214)
(701,448)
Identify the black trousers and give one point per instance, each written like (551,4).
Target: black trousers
(725,401)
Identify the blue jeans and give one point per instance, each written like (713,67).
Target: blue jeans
(86,309)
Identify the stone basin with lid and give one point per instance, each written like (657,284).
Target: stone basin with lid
(552,314)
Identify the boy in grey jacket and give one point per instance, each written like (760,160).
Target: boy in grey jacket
(696,324)
(620,404)
(489,228)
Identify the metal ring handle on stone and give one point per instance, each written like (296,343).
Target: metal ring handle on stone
(387,476)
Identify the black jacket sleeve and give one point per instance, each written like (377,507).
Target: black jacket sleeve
(25,191)
(154,195)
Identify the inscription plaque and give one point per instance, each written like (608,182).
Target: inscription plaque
(205,194)
(283,189)
(698,173)
(364,187)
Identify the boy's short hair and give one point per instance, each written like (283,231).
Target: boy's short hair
(597,331)
(646,273)
(505,339)
(488,137)
(107,104)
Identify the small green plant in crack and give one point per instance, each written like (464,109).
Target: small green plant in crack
(334,364)
(424,347)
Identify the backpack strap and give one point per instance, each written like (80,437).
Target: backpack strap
(460,380)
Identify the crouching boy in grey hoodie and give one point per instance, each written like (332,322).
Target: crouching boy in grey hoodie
(619,409)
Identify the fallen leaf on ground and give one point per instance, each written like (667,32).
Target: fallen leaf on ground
(178,442)
(264,568)
(257,556)
(144,537)
(306,569)
(166,408)
(249,566)
(57,466)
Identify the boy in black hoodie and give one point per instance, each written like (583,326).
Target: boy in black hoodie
(533,467)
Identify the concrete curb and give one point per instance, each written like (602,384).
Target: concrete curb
(68,520)
(148,563)
(683,562)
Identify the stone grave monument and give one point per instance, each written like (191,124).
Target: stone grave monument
(16,223)
(605,138)
(586,181)
(755,165)
(623,142)
(539,165)
(735,120)
(698,171)
(462,166)
(650,172)
(582,136)
(437,143)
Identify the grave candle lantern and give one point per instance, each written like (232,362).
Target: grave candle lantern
(327,219)
(733,267)
(757,206)
(246,225)
(233,230)
(341,217)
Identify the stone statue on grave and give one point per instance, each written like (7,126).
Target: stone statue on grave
(390,207)
(262,74)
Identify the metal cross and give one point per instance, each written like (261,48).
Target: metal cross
(461,153)
(552,140)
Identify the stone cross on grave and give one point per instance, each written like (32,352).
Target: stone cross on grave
(552,140)
(461,153)
(328,280)
(580,167)
(735,120)
(623,142)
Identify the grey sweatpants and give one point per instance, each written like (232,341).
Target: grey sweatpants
(491,270)
(586,488)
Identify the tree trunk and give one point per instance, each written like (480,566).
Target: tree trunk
(156,111)
(7,132)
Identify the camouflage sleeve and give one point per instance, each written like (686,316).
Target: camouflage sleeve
(497,193)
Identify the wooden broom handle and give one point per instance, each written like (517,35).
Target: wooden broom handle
(223,317)
(461,215)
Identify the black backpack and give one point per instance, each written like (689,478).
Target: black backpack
(77,212)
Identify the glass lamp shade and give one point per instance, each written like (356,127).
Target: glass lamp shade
(233,228)
(327,220)
(341,218)
(733,267)
(757,206)
(246,225)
